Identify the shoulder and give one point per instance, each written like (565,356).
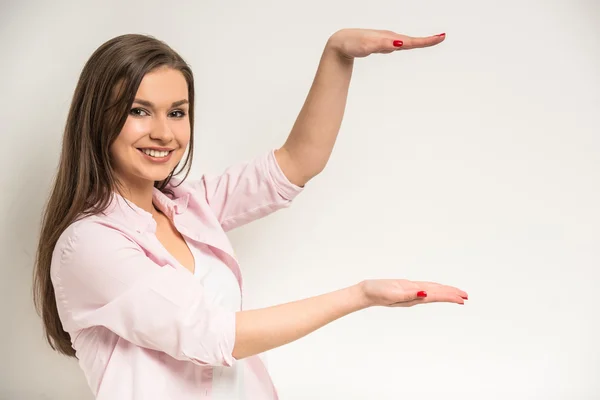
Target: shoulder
(88,239)
(97,228)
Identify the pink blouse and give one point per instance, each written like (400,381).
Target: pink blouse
(142,325)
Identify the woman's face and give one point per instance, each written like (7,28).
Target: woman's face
(157,131)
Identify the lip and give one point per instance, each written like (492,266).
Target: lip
(155,160)
(155,148)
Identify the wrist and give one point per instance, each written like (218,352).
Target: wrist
(334,47)
(359,297)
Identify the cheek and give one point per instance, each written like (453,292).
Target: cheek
(134,128)
(184,141)
(118,151)
(182,135)
(132,131)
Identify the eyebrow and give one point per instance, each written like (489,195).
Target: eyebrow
(151,105)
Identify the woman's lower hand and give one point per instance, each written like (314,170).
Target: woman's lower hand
(405,293)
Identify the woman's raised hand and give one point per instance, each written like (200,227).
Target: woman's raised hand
(356,43)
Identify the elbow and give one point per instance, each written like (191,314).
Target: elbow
(297,169)
(217,360)
(210,344)
(238,354)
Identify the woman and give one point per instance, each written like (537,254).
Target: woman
(135,276)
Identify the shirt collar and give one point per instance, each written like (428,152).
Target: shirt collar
(140,219)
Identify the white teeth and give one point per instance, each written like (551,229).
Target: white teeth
(155,153)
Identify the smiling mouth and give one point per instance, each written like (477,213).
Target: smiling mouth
(156,153)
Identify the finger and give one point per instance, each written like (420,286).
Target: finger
(431,298)
(445,297)
(389,44)
(456,291)
(420,42)
(440,287)
(418,294)
(453,292)
(408,303)
(412,295)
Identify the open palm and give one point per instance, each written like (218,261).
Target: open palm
(405,293)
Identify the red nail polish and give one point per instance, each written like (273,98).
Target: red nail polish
(398,43)
(441,35)
(465,297)
(421,294)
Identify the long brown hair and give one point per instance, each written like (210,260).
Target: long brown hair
(85,179)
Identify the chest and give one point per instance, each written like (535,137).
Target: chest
(220,282)
(173,242)
(197,229)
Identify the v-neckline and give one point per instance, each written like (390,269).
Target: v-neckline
(185,241)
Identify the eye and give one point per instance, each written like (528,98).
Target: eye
(180,113)
(137,111)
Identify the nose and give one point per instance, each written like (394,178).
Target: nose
(161,130)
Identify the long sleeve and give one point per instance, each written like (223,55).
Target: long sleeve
(102,278)
(248,191)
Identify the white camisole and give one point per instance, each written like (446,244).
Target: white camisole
(221,288)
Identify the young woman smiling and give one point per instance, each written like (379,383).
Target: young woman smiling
(135,276)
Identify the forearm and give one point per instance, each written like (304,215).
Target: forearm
(314,133)
(267,328)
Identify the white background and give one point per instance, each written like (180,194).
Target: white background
(475,163)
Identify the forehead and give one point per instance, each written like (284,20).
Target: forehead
(163,87)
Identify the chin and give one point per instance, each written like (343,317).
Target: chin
(159,177)
(153,176)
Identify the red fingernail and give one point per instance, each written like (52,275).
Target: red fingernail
(465,297)
(421,294)
(441,35)
(398,43)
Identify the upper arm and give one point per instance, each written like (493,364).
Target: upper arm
(102,278)
(248,191)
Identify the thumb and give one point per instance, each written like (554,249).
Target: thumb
(420,294)
(412,297)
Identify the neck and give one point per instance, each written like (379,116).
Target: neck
(140,194)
